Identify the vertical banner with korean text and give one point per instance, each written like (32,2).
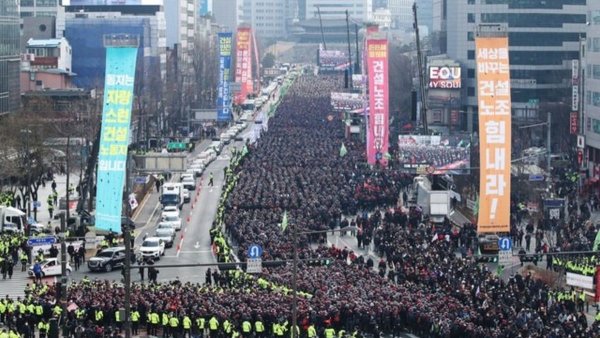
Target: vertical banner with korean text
(493,86)
(378,126)
(243,67)
(224,95)
(114,136)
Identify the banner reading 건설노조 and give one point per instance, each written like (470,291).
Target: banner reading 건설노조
(114,136)
(223,95)
(493,89)
(243,66)
(378,127)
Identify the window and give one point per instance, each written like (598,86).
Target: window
(470,36)
(470,91)
(470,73)
(471,18)
(533,20)
(471,55)
(470,2)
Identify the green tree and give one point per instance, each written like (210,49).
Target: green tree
(268,60)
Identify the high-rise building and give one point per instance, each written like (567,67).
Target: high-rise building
(336,9)
(37,8)
(591,100)
(9,56)
(228,13)
(402,14)
(543,39)
(268,18)
(380,4)
(180,20)
(85,27)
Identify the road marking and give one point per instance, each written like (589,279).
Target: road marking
(197,245)
(194,252)
(148,222)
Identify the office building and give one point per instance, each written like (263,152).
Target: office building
(9,56)
(591,84)
(46,65)
(543,39)
(360,10)
(228,13)
(380,4)
(85,27)
(268,18)
(205,7)
(180,20)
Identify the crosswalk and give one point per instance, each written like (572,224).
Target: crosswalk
(15,287)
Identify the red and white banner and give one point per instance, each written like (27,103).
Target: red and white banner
(378,129)
(243,67)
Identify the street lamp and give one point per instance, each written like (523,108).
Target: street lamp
(26,134)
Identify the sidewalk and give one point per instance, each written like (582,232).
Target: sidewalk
(44,191)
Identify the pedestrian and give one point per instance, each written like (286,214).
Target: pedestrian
(141,270)
(77,261)
(9,268)
(53,185)
(71,251)
(210,179)
(37,272)
(18,201)
(50,207)
(81,252)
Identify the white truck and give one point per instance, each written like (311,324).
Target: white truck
(12,219)
(172,194)
(435,203)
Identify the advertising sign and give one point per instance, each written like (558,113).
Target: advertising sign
(112,2)
(581,281)
(573,123)
(330,60)
(224,94)
(243,67)
(445,154)
(575,98)
(493,87)
(114,136)
(444,77)
(378,128)
(347,101)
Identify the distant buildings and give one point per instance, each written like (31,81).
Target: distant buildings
(9,56)
(268,18)
(46,65)
(334,9)
(228,13)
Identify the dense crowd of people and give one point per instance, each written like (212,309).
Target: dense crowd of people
(418,285)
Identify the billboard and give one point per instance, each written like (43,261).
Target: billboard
(223,92)
(378,126)
(112,2)
(243,67)
(347,101)
(444,77)
(435,154)
(493,91)
(114,136)
(330,60)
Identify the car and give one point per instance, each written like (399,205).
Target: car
(38,228)
(217,146)
(170,210)
(174,221)
(197,169)
(189,184)
(186,196)
(166,235)
(152,247)
(50,267)
(186,175)
(107,259)
(225,138)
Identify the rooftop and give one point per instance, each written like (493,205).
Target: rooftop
(45,43)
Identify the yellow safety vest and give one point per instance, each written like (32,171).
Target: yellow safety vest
(187,323)
(174,322)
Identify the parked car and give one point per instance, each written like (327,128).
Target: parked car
(166,235)
(152,247)
(107,259)
(189,183)
(174,221)
(186,196)
(50,267)
(186,175)
(170,211)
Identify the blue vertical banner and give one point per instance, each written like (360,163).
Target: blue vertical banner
(114,136)
(224,94)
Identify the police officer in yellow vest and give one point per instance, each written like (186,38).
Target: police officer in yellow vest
(213,325)
(312,332)
(329,332)
(200,326)
(118,319)
(165,324)
(246,328)
(174,326)
(154,323)
(259,328)
(135,321)
(98,316)
(43,328)
(187,326)
(3,333)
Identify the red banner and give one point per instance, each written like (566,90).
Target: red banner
(243,68)
(378,129)
(573,123)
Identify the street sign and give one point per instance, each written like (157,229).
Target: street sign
(504,257)
(504,244)
(580,141)
(141,179)
(37,241)
(254,265)
(255,251)
(536,178)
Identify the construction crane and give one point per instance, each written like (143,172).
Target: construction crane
(421,73)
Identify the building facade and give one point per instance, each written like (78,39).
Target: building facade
(268,18)
(40,8)
(9,56)
(591,84)
(543,39)
(336,9)
(228,13)
(180,20)
(85,29)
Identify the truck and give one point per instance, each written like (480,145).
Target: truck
(12,219)
(435,203)
(172,194)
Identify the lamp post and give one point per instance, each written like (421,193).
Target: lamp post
(25,133)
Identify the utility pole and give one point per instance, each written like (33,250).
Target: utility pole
(548,144)
(295,282)
(321,25)
(64,222)
(349,69)
(420,70)
(357,64)
(125,228)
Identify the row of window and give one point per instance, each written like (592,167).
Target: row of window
(39,3)
(536,57)
(536,38)
(531,4)
(532,19)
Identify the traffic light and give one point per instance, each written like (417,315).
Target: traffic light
(318,262)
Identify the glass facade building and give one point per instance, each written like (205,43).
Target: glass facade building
(9,56)
(543,39)
(591,84)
